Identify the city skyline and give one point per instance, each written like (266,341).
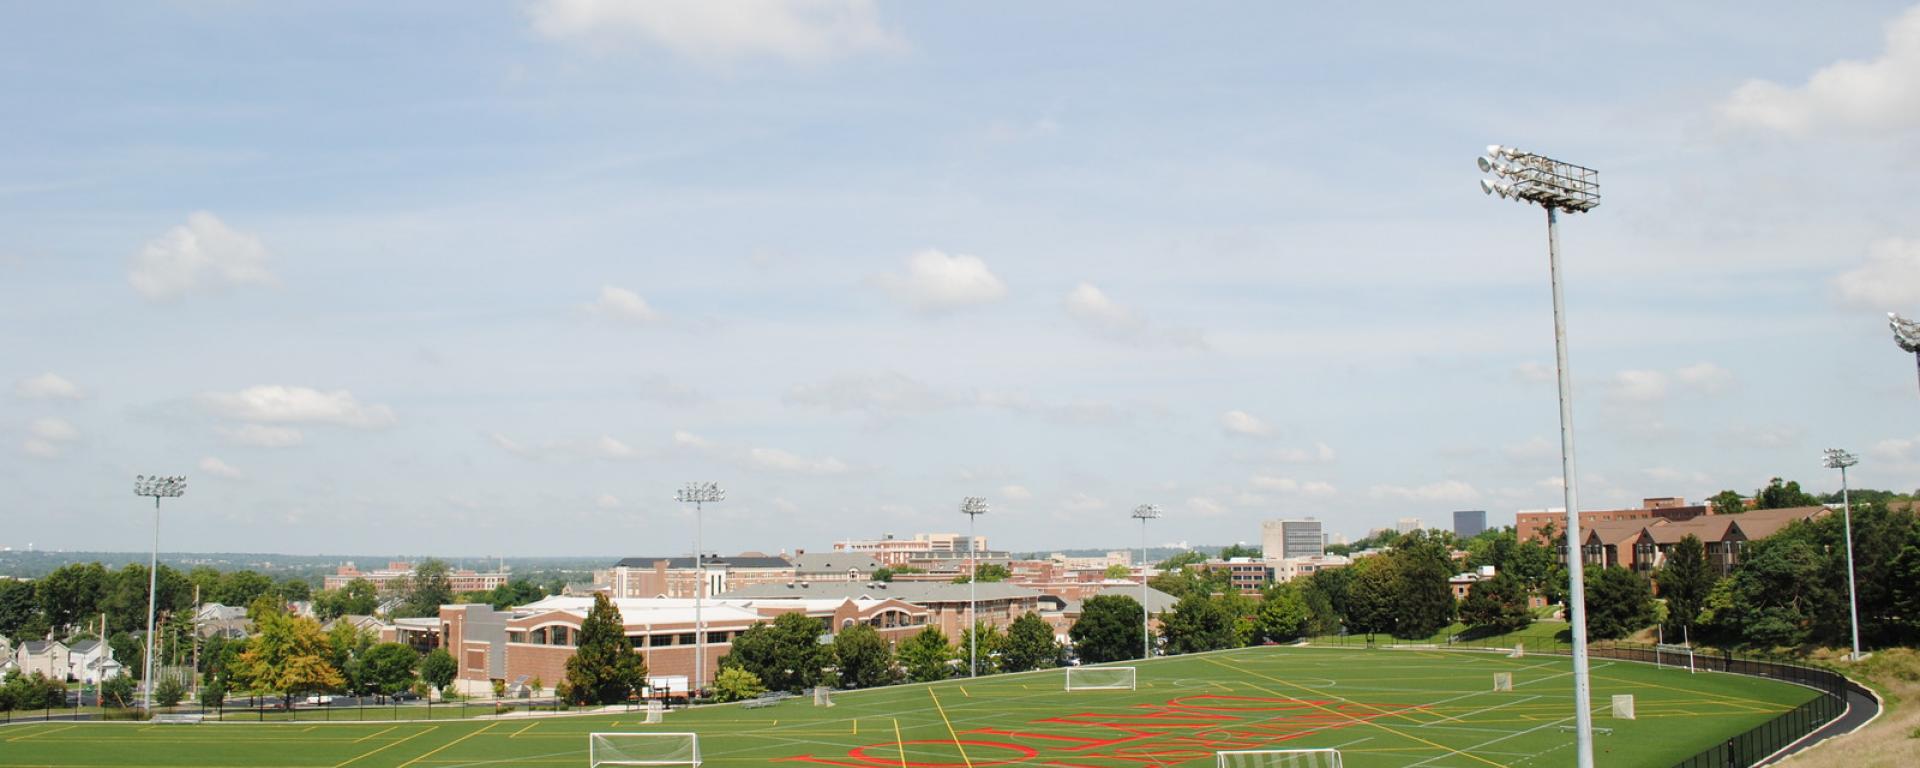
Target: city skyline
(503,279)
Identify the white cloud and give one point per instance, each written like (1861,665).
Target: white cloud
(1893,449)
(295,405)
(607,501)
(876,394)
(774,458)
(261,435)
(616,303)
(602,447)
(1867,96)
(937,282)
(609,448)
(1442,491)
(1638,386)
(1081,502)
(47,386)
(214,466)
(1094,309)
(202,253)
(689,439)
(1320,452)
(1706,378)
(1015,493)
(1534,373)
(1243,423)
(1889,279)
(1292,486)
(54,430)
(716,32)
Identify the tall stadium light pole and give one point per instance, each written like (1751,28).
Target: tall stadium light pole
(1840,460)
(699,494)
(1558,186)
(1143,513)
(972,507)
(159,488)
(1906,333)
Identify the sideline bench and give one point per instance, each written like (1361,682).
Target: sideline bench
(176,719)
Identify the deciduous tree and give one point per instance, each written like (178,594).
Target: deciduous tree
(1030,645)
(1110,629)
(1684,583)
(1499,604)
(1619,603)
(604,669)
(927,656)
(786,654)
(863,657)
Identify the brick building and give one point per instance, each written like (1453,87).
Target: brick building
(1531,525)
(397,572)
(637,577)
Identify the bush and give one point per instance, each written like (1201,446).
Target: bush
(168,692)
(117,692)
(735,684)
(213,695)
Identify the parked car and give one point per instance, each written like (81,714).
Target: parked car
(320,699)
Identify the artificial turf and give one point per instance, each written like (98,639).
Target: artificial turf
(1381,708)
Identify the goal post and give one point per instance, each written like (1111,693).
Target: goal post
(643,749)
(1100,678)
(1278,758)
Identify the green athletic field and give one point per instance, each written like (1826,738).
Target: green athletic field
(1381,708)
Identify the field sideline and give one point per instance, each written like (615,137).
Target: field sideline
(1382,708)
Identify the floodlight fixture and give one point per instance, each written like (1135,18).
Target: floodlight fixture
(157,487)
(699,494)
(1143,513)
(1836,458)
(1906,334)
(972,507)
(1558,186)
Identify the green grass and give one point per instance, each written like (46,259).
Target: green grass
(1542,633)
(1382,708)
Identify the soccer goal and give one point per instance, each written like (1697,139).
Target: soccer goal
(1666,654)
(822,696)
(1100,678)
(1623,706)
(1503,681)
(1278,758)
(643,749)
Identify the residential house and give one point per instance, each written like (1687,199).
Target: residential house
(47,657)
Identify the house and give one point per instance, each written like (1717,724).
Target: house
(92,662)
(224,621)
(1643,546)
(833,566)
(47,657)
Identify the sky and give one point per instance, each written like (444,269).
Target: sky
(497,278)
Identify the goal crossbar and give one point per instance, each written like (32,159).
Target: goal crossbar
(643,749)
(1100,678)
(1278,758)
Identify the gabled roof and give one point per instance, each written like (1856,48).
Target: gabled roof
(712,561)
(38,647)
(83,647)
(834,562)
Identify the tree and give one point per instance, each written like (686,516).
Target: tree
(1283,614)
(1030,645)
(1118,571)
(1538,569)
(213,694)
(986,572)
(1327,593)
(437,669)
(887,572)
(168,691)
(1373,599)
(786,654)
(863,657)
(604,669)
(356,598)
(1499,604)
(293,589)
(17,608)
(516,592)
(991,642)
(130,651)
(288,655)
(116,692)
(426,590)
(1782,495)
(1425,599)
(1728,503)
(927,656)
(1619,603)
(1232,551)
(1198,623)
(238,588)
(1492,547)
(388,668)
(345,645)
(1684,582)
(1109,629)
(72,593)
(735,684)
(1183,559)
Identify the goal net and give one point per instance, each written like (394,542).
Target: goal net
(1278,758)
(1503,681)
(1099,678)
(1668,654)
(1623,706)
(822,696)
(643,749)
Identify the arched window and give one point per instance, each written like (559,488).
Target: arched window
(538,636)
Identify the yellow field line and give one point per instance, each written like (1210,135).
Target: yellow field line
(899,743)
(375,733)
(449,744)
(856,726)
(956,736)
(963,692)
(42,733)
(1410,737)
(388,745)
(516,734)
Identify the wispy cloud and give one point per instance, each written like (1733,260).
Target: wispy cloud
(720,32)
(1878,95)
(937,282)
(201,254)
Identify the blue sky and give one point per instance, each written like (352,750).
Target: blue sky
(495,278)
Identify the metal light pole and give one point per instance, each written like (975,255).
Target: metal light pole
(1143,513)
(159,488)
(1840,460)
(1558,186)
(699,494)
(972,507)
(1906,334)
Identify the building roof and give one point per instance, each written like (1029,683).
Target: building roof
(84,647)
(37,647)
(833,562)
(218,612)
(686,563)
(919,592)
(1157,601)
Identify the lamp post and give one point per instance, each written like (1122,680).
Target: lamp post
(972,507)
(159,488)
(1558,186)
(1143,513)
(1906,334)
(699,494)
(1840,460)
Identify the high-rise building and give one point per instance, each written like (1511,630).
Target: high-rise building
(1281,539)
(1469,523)
(1410,524)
